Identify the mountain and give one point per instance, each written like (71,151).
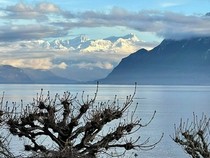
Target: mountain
(46,77)
(82,43)
(183,62)
(10,74)
(72,44)
(124,44)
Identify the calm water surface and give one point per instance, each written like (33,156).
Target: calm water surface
(170,102)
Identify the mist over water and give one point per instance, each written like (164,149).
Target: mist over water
(171,103)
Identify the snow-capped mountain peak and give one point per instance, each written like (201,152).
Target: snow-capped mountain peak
(123,44)
(78,41)
(131,37)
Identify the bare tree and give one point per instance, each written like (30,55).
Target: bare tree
(4,143)
(194,136)
(78,128)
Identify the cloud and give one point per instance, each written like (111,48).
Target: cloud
(47,8)
(29,32)
(62,65)
(19,55)
(34,63)
(26,22)
(29,63)
(163,24)
(24,11)
(101,65)
(180,26)
(52,21)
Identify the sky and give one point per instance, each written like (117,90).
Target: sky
(150,20)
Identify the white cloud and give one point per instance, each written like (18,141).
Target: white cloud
(102,65)
(22,11)
(62,65)
(158,22)
(42,63)
(29,63)
(47,7)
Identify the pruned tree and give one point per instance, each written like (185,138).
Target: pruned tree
(194,136)
(78,128)
(4,141)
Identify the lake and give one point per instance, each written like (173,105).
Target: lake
(170,102)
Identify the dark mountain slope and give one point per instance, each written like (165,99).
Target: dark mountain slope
(10,74)
(46,77)
(172,62)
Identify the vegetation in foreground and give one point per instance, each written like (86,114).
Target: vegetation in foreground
(77,127)
(82,128)
(193,136)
